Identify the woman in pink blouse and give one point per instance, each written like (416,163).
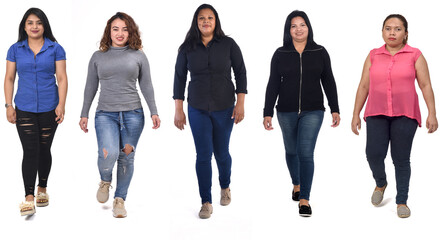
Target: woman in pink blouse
(392,113)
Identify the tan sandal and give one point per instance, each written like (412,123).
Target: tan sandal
(27,208)
(42,199)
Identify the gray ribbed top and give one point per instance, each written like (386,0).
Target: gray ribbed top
(117,71)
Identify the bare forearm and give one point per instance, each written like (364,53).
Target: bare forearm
(428,95)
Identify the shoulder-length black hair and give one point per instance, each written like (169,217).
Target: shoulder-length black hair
(193,35)
(287,40)
(22,35)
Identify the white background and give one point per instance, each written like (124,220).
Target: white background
(163,200)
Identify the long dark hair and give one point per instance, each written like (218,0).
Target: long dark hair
(22,35)
(401,18)
(193,35)
(287,39)
(134,37)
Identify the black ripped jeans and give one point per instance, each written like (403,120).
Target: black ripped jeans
(36,131)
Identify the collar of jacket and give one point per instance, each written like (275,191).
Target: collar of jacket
(310,46)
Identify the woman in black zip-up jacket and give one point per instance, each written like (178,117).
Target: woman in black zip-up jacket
(298,69)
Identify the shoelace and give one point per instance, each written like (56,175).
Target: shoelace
(205,207)
(105,185)
(225,195)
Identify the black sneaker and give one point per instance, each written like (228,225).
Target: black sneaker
(295,196)
(305,211)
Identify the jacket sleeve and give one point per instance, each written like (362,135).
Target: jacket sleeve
(239,68)
(329,84)
(180,75)
(273,87)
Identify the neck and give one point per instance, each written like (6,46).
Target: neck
(207,39)
(35,41)
(299,46)
(394,49)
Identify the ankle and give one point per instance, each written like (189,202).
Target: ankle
(41,190)
(29,198)
(296,188)
(303,202)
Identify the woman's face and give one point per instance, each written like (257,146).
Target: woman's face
(299,30)
(34,27)
(393,32)
(119,33)
(206,22)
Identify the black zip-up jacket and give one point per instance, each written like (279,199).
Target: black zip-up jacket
(295,79)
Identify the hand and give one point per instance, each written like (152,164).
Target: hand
(179,119)
(11,115)
(83,124)
(336,119)
(431,123)
(267,122)
(59,111)
(356,124)
(156,121)
(238,113)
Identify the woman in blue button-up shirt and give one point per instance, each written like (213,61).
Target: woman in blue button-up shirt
(39,103)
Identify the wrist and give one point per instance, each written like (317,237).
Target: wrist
(8,105)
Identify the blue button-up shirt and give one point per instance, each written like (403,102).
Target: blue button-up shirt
(37,90)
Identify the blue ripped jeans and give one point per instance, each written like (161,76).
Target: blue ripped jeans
(300,132)
(114,132)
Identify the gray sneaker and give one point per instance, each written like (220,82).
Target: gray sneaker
(119,208)
(403,211)
(225,197)
(103,192)
(206,211)
(377,196)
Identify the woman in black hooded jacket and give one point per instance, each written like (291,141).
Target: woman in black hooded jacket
(298,69)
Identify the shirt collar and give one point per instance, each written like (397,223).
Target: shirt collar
(383,50)
(47,43)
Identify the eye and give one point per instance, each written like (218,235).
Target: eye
(293,26)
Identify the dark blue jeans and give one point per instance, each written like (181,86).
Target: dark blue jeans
(399,132)
(211,132)
(300,132)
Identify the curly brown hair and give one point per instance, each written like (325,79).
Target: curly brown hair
(134,37)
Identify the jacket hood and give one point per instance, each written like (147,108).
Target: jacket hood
(287,40)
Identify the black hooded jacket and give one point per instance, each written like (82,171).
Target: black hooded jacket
(295,79)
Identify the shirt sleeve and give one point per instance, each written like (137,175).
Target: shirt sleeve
(329,84)
(146,85)
(11,54)
(273,87)
(91,86)
(238,68)
(180,75)
(60,54)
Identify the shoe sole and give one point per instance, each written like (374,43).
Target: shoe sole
(119,215)
(42,204)
(225,204)
(305,215)
(27,213)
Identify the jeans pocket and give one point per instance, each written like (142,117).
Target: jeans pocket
(139,111)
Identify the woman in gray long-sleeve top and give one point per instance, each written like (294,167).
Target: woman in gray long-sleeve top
(119,118)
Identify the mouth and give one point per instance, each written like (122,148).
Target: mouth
(120,39)
(35,31)
(392,39)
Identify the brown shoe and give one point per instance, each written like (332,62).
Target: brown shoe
(119,208)
(206,211)
(103,191)
(225,197)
